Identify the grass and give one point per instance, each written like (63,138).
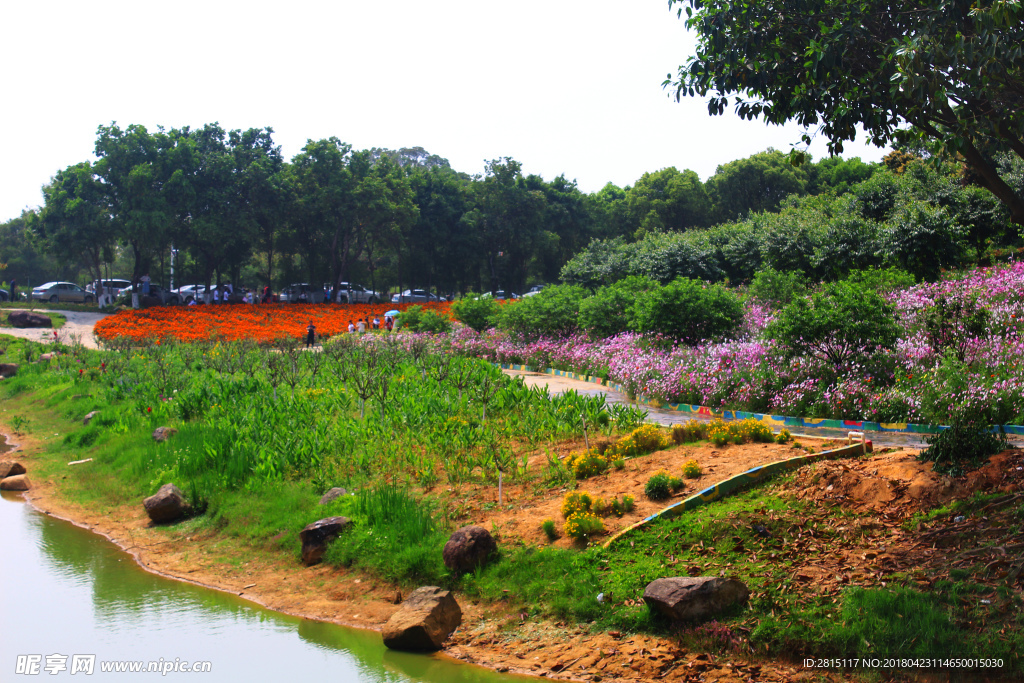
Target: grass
(760,536)
(47,306)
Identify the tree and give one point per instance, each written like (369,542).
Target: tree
(668,200)
(951,70)
(843,322)
(758,183)
(75,222)
(133,167)
(687,311)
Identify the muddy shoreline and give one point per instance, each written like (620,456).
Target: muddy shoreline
(490,636)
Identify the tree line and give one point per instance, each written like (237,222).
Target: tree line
(234,210)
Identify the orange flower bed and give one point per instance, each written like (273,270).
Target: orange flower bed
(264,323)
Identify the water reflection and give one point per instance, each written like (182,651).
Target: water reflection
(70,592)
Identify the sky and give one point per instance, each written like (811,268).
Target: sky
(571,88)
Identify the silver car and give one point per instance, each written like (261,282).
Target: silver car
(55,292)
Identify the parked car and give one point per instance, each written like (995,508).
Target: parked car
(189,293)
(417,296)
(5,295)
(349,292)
(536,289)
(297,293)
(55,292)
(113,286)
(500,294)
(166,297)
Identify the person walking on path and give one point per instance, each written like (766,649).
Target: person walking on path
(310,334)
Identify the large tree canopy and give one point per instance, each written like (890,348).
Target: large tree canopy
(953,70)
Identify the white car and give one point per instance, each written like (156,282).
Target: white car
(349,292)
(189,293)
(413,296)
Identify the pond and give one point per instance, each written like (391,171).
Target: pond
(75,601)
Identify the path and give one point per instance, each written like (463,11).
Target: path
(668,417)
(78,323)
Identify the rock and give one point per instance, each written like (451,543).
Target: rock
(684,598)
(9,468)
(88,418)
(166,505)
(317,535)
(18,482)
(28,319)
(8,369)
(424,621)
(161,434)
(333,494)
(46,358)
(468,548)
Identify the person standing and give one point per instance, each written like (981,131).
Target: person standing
(389,322)
(14,289)
(310,335)
(145,284)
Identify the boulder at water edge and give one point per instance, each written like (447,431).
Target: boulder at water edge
(28,319)
(468,548)
(333,494)
(166,505)
(18,482)
(424,621)
(8,369)
(8,468)
(317,535)
(685,598)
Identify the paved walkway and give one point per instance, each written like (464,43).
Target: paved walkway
(558,385)
(77,323)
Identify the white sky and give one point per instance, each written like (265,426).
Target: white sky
(562,87)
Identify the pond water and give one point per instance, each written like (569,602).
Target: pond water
(71,593)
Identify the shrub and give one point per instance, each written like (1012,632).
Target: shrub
(691,469)
(479,313)
(575,501)
(964,445)
(955,325)
(675,483)
(783,436)
(627,503)
(610,310)
(659,486)
(776,288)
(687,311)
(599,506)
(552,313)
(581,525)
(690,431)
(415,319)
(843,322)
(644,439)
(588,464)
(548,526)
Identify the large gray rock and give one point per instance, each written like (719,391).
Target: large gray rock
(317,535)
(685,598)
(333,494)
(28,319)
(424,621)
(17,482)
(8,369)
(166,505)
(9,468)
(468,548)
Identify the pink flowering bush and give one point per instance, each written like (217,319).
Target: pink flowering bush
(912,383)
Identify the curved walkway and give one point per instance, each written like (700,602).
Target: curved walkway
(78,323)
(557,384)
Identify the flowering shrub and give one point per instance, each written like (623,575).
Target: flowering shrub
(582,525)
(575,501)
(691,469)
(588,464)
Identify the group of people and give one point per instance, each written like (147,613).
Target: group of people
(363,324)
(360,325)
